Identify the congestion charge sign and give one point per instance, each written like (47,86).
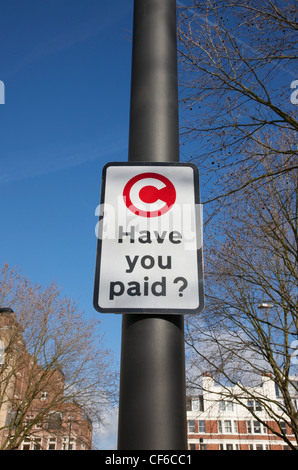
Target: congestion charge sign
(149,252)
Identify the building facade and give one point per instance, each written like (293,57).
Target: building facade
(34,413)
(218,422)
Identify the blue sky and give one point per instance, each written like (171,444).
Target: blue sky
(66,69)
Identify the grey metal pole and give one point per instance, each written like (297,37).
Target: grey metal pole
(152,405)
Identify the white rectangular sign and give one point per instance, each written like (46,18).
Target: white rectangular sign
(149,253)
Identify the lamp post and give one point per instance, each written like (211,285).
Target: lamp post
(152,405)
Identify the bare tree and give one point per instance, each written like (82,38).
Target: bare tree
(54,347)
(237,75)
(251,262)
(237,62)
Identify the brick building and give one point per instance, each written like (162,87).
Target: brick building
(34,413)
(218,422)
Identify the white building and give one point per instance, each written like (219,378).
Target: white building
(218,421)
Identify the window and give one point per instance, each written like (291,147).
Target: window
(37,444)
(226,446)
(254,405)
(226,405)
(68,444)
(229,406)
(250,405)
(195,404)
(44,396)
(277,391)
(227,426)
(202,426)
(34,444)
(201,400)
(257,427)
(283,427)
(28,420)
(54,420)
(52,443)
(26,444)
(258,406)
(236,427)
(191,426)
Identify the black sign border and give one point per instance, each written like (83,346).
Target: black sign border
(164,311)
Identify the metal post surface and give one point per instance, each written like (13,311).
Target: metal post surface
(152,405)
(154,124)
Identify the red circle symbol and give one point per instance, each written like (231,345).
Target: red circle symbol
(150,194)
